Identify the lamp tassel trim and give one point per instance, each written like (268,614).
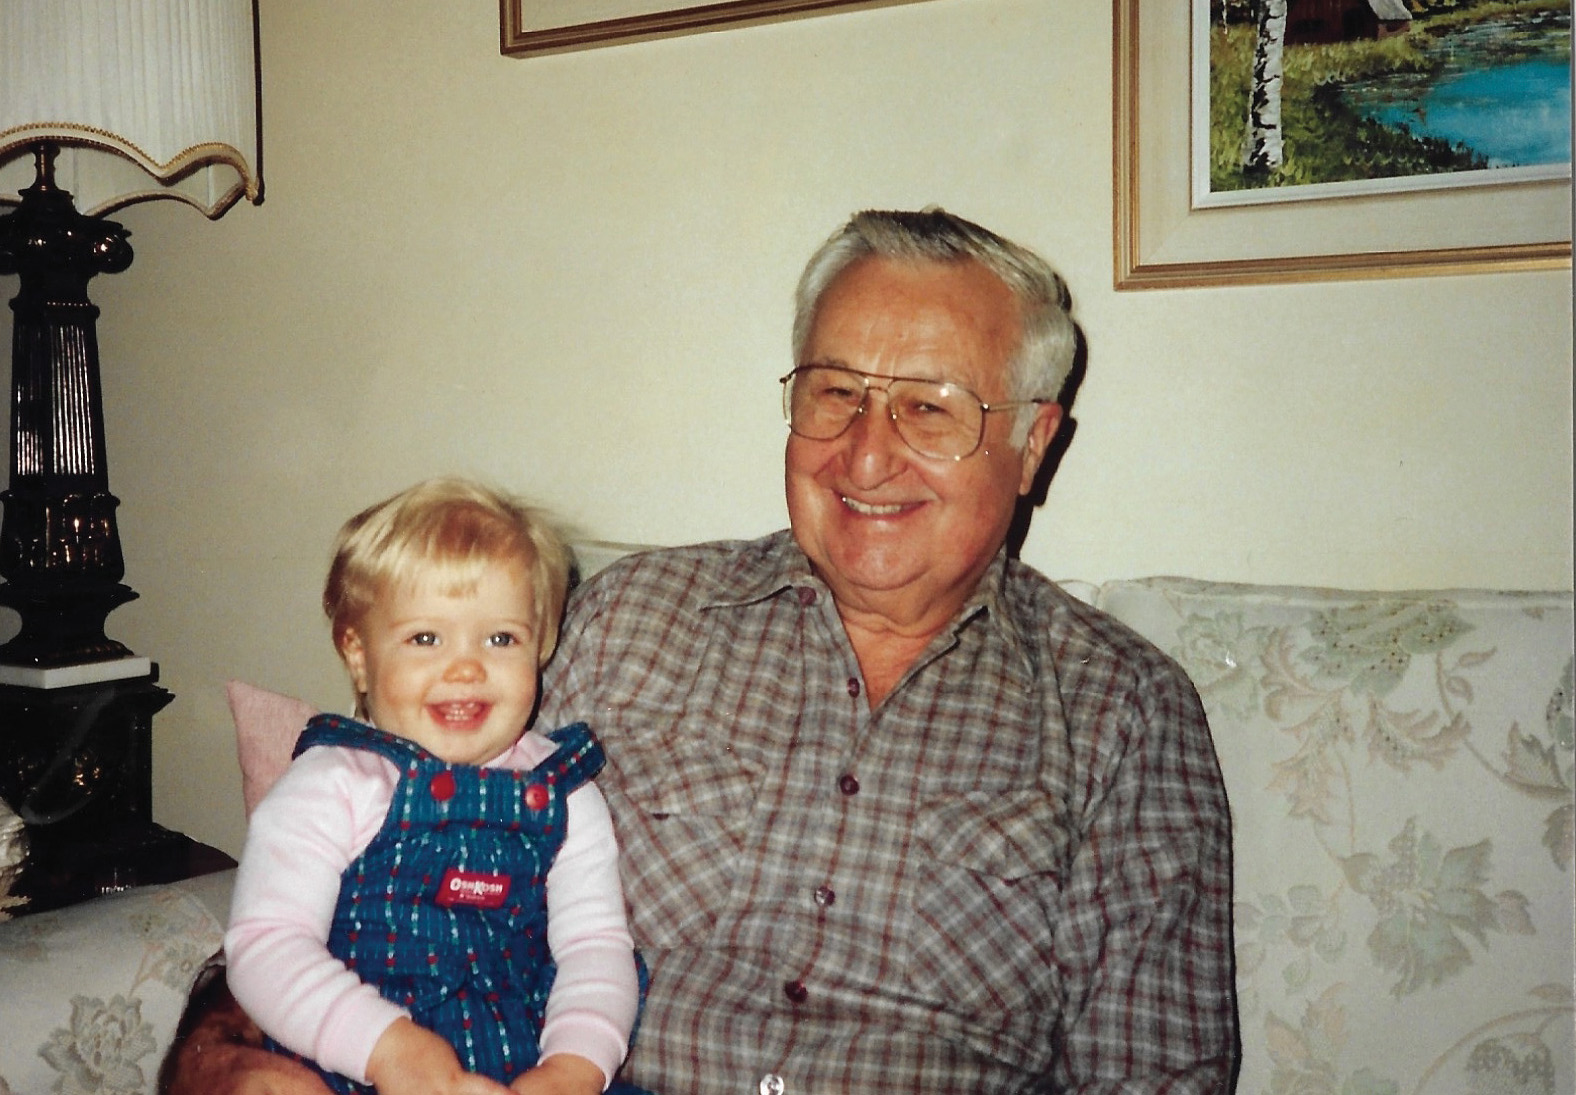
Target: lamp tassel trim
(208,154)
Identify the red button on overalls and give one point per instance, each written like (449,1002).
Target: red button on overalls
(536,796)
(442,786)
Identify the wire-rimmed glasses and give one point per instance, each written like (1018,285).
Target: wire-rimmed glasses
(935,418)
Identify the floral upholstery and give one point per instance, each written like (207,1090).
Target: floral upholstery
(90,994)
(1400,774)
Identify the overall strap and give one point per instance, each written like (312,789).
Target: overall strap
(338,730)
(578,759)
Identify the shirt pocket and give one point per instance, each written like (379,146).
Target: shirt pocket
(681,823)
(986,899)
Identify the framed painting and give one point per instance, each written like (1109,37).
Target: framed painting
(1184,217)
(552,26)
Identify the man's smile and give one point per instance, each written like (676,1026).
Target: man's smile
(870,509)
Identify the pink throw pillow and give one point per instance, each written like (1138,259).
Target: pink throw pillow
(266,727)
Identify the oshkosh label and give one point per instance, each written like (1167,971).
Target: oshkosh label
(481,891)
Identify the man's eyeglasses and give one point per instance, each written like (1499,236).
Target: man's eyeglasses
(935,418)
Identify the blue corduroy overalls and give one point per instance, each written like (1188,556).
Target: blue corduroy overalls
(445,912)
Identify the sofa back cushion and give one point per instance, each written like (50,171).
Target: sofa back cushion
(1399,768)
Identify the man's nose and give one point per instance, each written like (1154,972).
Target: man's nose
(873,439)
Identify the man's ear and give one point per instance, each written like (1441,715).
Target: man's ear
(1047,420)
(355,658)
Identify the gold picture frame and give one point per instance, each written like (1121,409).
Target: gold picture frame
(552,26)
(1163,241)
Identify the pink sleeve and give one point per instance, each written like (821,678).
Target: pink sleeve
(591,1009)
(319,816)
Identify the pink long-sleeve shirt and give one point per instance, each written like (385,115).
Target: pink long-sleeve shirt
(319,816)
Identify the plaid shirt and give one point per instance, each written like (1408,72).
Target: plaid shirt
(1014,875)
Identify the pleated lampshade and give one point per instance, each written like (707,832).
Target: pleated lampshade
(146,99)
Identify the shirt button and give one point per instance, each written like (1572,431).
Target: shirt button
(795,991)
(853,687)
(848,784)
(824,896)
(772,1084)
(806,598)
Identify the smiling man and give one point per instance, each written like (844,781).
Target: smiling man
(897,814)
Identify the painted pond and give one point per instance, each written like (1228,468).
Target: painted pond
(1502,89)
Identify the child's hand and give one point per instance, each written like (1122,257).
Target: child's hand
(412,1060)
(560,1074)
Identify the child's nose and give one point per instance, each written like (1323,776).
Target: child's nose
(464,669)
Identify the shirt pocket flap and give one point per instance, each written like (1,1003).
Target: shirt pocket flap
(715,784)
(1009,835)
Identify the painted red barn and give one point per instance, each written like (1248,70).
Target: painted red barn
(1318,21)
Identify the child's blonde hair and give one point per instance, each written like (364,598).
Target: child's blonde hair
(457,528)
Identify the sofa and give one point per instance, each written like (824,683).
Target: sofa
(1400,772)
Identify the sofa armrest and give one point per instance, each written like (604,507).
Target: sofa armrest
(90,995)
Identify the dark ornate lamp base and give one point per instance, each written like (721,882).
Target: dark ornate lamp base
(76,708)
(61,626)
(78,769)
(60,550)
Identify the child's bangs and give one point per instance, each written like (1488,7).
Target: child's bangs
(455,550)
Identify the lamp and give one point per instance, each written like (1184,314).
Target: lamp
(114,102)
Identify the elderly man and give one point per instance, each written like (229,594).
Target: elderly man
(898,815)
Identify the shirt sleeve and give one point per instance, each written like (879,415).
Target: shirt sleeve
(1143,936)
(318,817)
(595,996)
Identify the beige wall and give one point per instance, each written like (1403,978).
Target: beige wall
(571,274)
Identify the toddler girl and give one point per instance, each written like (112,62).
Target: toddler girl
(429,901)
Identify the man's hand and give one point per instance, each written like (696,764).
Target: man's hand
(560,1074)
(411,1060)
(219,1051)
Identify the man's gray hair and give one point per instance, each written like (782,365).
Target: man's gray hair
(1044,358)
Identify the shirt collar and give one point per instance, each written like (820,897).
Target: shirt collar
(767,567)
(990,605)
(777,564)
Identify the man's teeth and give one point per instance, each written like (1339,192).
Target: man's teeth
(869,510)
